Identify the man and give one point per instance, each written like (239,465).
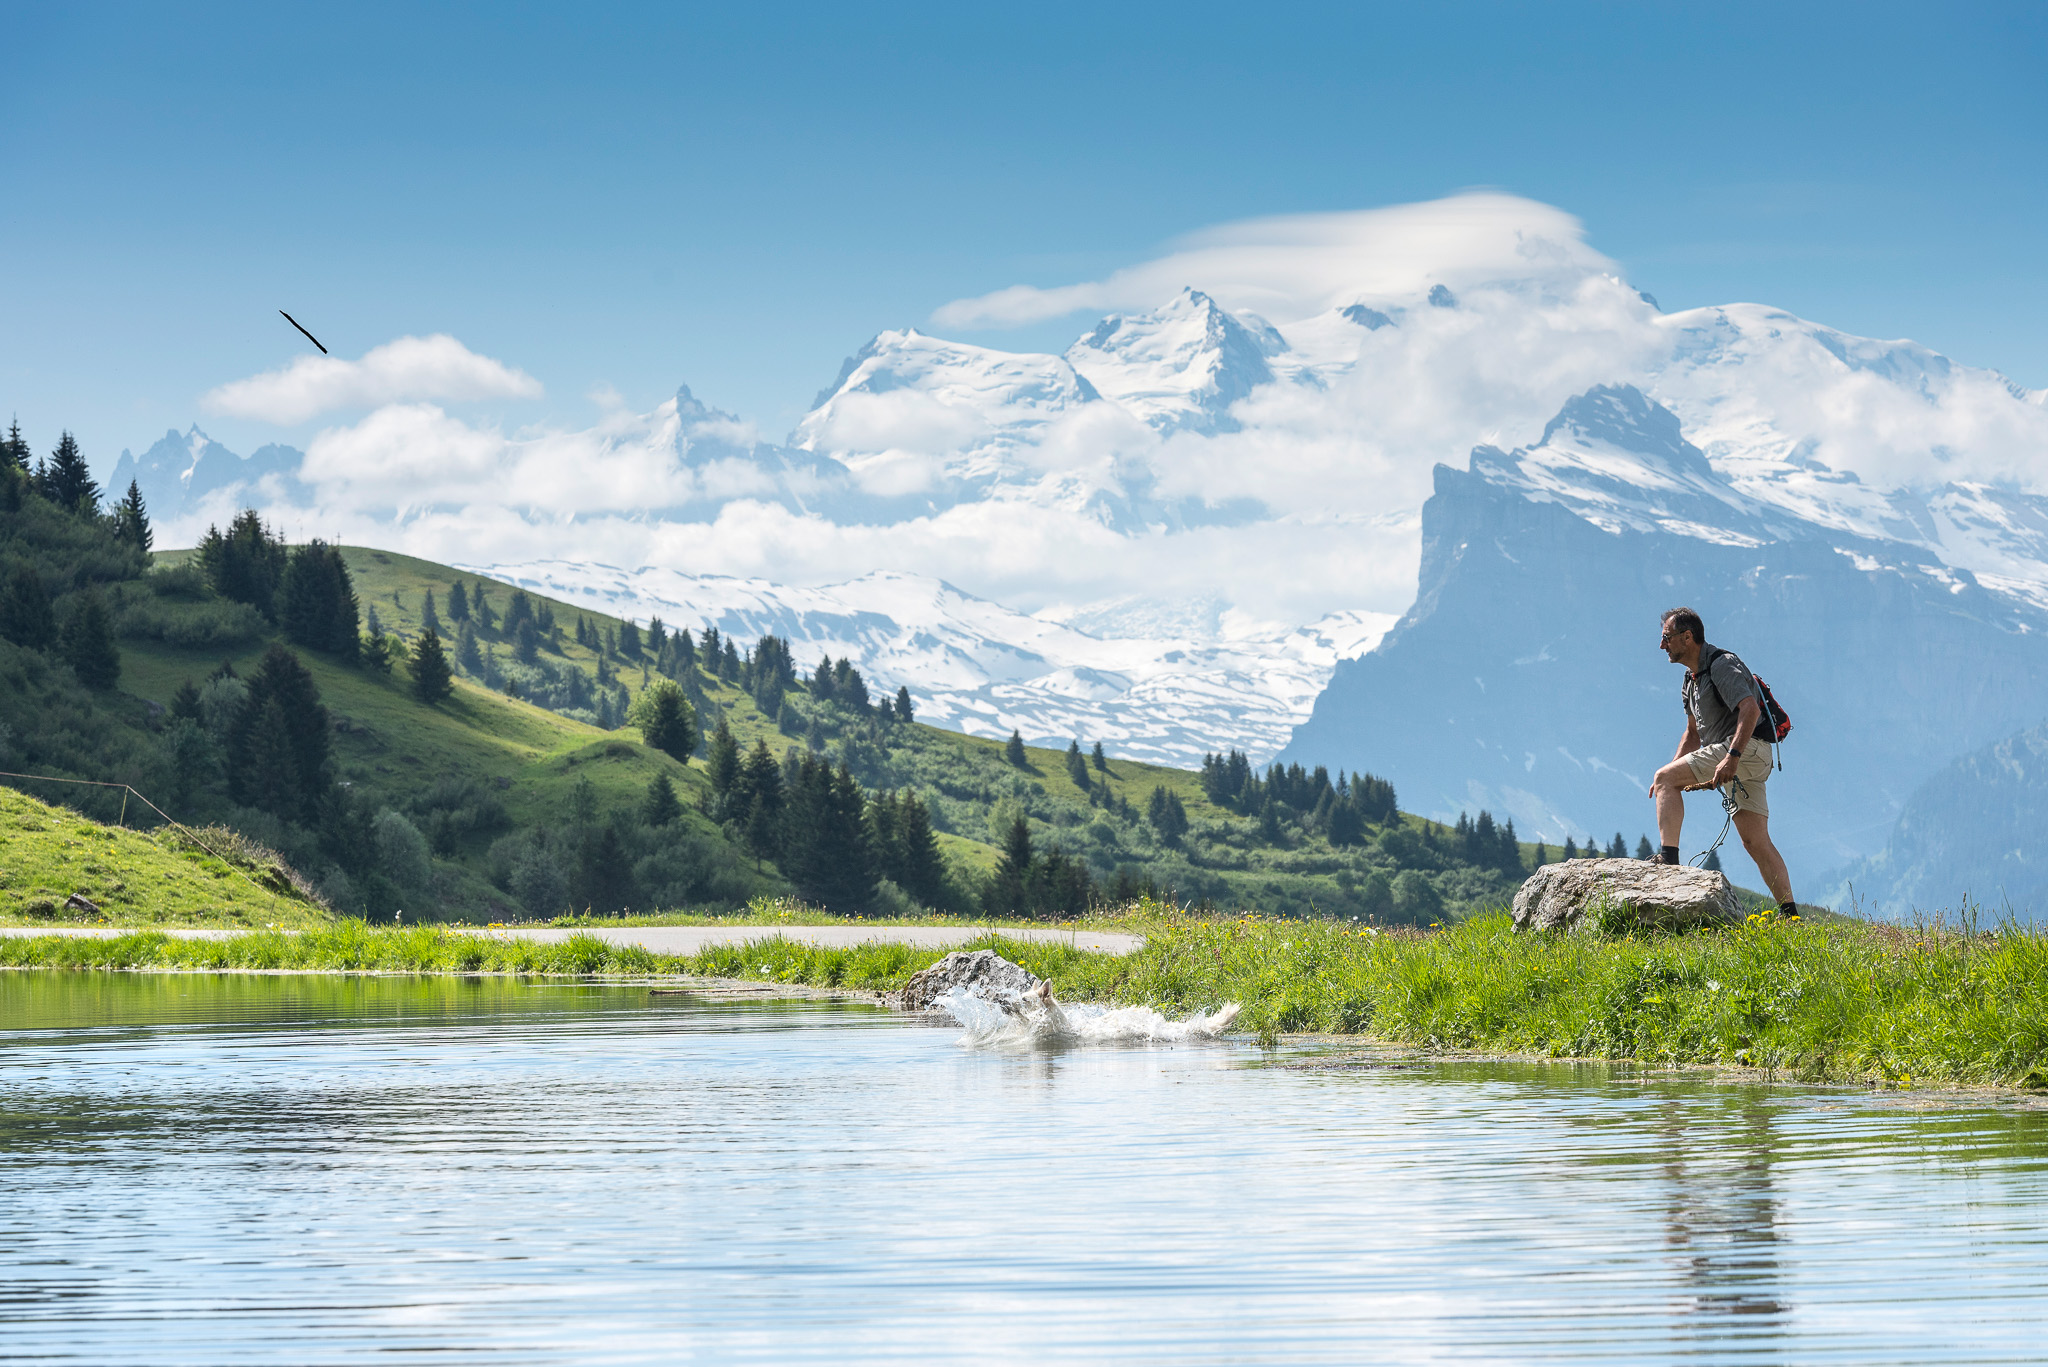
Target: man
(1720,750)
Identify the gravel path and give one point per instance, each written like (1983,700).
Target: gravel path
(690,939)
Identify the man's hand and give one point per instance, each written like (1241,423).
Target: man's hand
(1724,772)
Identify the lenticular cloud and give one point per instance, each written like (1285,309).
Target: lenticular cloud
(1296,265)
(408,370)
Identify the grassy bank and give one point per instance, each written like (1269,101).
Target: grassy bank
(1841,1002)
(50,855)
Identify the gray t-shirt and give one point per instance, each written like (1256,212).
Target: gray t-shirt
(1713,702)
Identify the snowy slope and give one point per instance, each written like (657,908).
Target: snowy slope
(1187,686)
(1181,367)
(912,413)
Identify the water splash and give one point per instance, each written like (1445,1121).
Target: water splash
(1031,1020)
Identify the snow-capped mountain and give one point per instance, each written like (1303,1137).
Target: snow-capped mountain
(189,473)
(1165,682)
(933,421)
(1527,676)
(1181,367)
(1118,514)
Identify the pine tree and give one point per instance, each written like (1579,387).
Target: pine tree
(26,617)
(723,761)
(469,655)
(604,874)
(430,621)
(284,771)
(1077,767)
(666,720)
(1166,814)
(629,640)
(1643,850)
(244,564)
(1542,854)
(267,764)
(1712,863)
(480,608)
(1617,848)
(662,806)
(826,853)
(758,799)
(1269,821)
(131,520)
(526,642)
(432,680)
(67,481)
(185,702)
(1014,750)
(903,708)
(14,453)
(1008,891)
(1100,760)
(458,603)
(1344,825)
(87,643)
(1571,848)
(921,872)
(316,601)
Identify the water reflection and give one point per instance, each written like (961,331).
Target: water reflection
(247,1169)
(1721,1216)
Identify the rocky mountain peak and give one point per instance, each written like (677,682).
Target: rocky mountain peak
(1180,366)
(1624,417)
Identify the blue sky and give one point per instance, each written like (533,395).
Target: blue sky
(633,198)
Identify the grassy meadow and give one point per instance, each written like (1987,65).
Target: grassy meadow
(49,854)
(1840,1001)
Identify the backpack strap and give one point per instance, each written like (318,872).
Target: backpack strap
(1707,668)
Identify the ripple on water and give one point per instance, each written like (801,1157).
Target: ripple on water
(233,1168)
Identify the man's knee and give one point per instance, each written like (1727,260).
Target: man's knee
(1673,777)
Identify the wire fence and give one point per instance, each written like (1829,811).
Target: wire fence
(129,792)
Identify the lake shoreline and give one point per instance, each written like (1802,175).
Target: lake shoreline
(1887,1007)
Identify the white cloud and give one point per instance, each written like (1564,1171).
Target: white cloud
(406,370)
(1301,264)
(1341,462)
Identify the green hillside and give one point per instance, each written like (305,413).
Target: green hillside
(524,791)
(974,793)
(60,868)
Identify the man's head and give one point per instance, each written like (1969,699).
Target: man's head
(1683,636)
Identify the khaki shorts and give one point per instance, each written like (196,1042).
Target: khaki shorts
(1752,771)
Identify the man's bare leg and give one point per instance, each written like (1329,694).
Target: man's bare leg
(1668,789)
(1754,828)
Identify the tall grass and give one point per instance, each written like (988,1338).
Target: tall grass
(1839,1001)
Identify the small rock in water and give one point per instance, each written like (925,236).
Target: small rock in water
(1624,894)
(981,972)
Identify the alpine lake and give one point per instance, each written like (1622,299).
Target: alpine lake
(229,1168)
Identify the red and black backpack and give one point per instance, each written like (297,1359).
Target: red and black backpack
(1776,723)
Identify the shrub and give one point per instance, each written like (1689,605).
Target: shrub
(214,624)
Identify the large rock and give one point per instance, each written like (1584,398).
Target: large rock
(1624,894)
(983,972)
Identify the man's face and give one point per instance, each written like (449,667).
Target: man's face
(1675,643)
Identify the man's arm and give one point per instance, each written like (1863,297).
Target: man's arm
(1746,718)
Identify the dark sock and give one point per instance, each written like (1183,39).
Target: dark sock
(1668,855)
(1789,910)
